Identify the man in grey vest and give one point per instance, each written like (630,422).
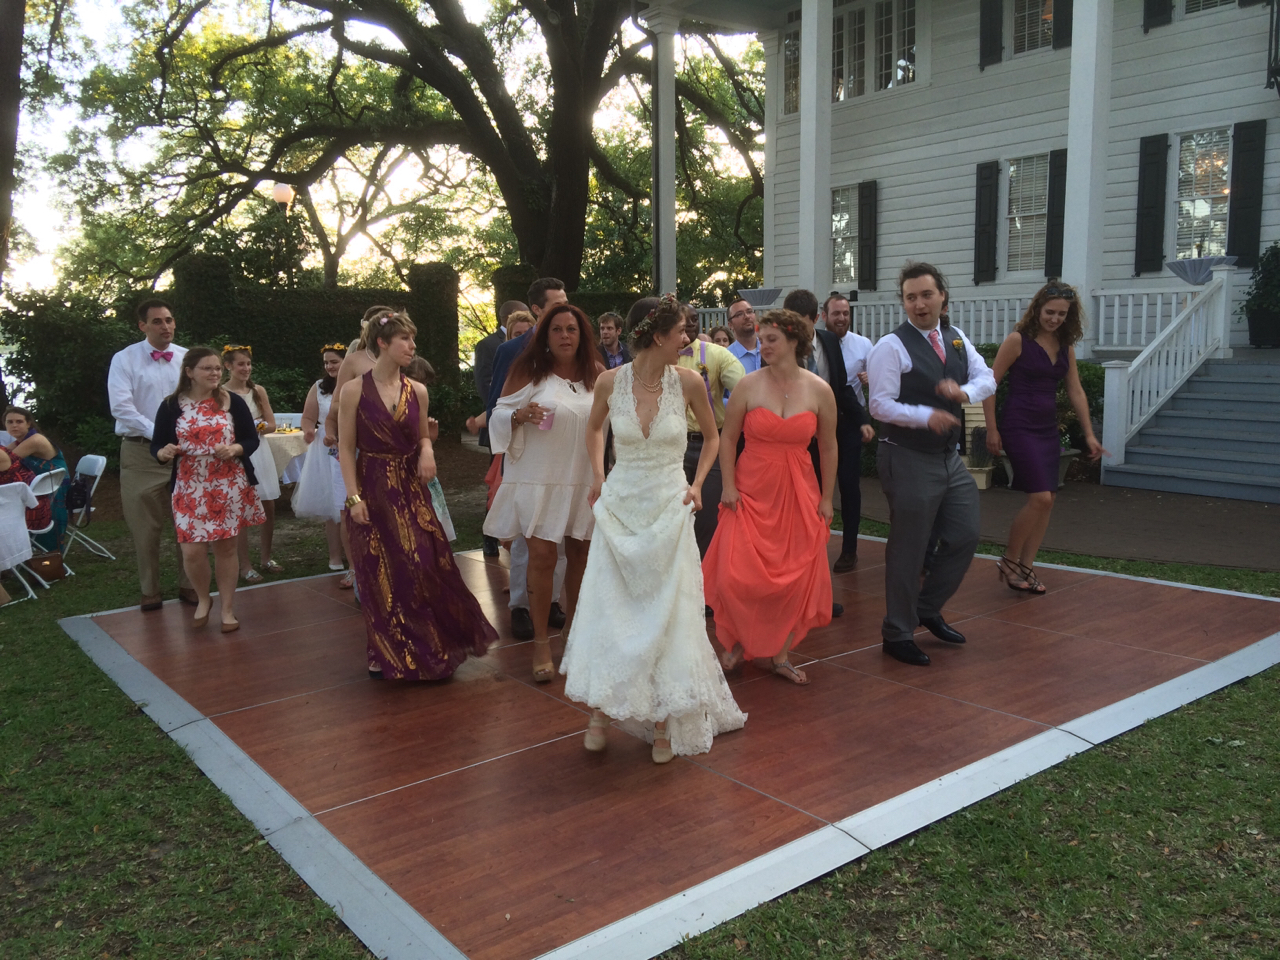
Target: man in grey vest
(920,375)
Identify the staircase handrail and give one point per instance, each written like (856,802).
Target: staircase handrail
(1136,391)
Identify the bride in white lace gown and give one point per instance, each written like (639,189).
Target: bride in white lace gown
(638,649)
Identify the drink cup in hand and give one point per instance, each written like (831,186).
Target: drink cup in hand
(549,414)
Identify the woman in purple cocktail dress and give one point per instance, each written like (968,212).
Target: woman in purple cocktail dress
(1038,355)
(422,621)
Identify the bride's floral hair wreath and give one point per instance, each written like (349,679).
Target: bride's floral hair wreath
(650,317)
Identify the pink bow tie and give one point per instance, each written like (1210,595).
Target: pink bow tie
(165,355)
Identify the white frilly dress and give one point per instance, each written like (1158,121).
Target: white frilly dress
(638,647)
(546,474)
(320,490)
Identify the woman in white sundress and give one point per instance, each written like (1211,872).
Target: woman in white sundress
(638,648)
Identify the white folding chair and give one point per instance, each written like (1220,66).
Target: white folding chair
(15,543)
(91,465)
(45,485)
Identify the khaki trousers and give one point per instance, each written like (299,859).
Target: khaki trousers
(148,510)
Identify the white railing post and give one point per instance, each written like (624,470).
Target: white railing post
(1220,318)
(1115,411)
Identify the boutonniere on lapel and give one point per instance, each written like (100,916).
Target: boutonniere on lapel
(959,345)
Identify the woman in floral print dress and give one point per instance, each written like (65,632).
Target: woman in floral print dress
(208,434)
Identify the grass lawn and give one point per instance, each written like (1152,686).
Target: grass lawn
(1160,843)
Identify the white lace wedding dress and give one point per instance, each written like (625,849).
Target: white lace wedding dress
(638,648)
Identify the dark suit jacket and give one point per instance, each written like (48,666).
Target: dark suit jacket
(848,409)
(483,370)
(246,433)
(502,361)
(626,354)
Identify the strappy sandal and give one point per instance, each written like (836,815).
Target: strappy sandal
(662,754)
(348,580)
(252,576)
(596,739)
(731,660)
(545,671)
(787,672)
(1017,577)
(272,567)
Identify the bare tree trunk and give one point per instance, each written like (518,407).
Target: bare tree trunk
(12,19)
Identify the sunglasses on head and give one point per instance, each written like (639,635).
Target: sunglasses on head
(1055,292)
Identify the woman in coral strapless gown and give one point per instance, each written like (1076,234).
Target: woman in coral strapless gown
(765,573)
(1038,355)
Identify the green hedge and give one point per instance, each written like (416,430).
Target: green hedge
(512,282)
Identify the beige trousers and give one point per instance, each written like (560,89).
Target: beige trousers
(148,510)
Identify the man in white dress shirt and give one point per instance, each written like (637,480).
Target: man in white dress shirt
(141,376)
(920,375)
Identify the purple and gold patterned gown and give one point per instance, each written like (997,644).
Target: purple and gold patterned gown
(421,619)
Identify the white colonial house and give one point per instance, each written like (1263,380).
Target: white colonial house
(1006,141)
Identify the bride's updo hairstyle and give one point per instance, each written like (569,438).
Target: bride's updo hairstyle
(794,327)
(650,317)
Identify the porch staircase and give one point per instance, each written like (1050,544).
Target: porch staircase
(1218,436)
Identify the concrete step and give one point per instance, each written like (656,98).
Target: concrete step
(1202,483)
(1223,403)
(1242,368)
(1266,387)
(1229,461)
(1208,440)
(1262,425)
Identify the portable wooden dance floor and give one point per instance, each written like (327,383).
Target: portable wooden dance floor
(464,818)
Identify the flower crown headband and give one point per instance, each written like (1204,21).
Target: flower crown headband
(667,301)
(233,347)
(335,347)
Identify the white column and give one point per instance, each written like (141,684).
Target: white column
(1221,318)
(665,24)
(815,146)
(1088,125)
(773,97)
(1115,411)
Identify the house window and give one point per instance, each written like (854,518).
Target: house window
(1195,6)
(1028,211)
(888,54)
(1204,175)
(791,65)
(844,235)
(1032,25)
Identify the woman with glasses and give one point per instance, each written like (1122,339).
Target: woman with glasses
(1038,355)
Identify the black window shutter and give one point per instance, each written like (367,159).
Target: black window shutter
(1062,24)
(990,33)
(1056,220)
(867,231)
(1156,13)
(1244,214)
(986,222)
(1153,171)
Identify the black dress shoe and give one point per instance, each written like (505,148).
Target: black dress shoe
(906,651)
(490,547)
(837,609)
(941,629)
(707,612)
(521,623)
(556,618)
(845,562)
(149,604)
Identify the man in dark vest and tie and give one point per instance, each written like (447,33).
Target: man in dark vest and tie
(920,375)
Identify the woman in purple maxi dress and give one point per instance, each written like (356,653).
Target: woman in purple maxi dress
(1038,355)
(422,621)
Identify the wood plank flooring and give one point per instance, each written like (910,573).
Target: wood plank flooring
(474,800)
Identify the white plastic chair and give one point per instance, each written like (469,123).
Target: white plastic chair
(15,542)
(46,485)
(90,465)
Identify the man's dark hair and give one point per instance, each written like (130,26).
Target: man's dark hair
(152,303)
(826,304)
(507,309)
(538,290)
(802,302)
(913,269)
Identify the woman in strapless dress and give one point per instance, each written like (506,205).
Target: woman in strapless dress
(1038,356)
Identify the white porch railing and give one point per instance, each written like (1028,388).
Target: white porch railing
(709,317)
(1136,391)
(983,321)
(1134,318)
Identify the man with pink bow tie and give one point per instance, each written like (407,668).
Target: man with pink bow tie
(141,376)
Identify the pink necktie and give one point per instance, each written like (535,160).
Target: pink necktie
(165,355)
(936,340)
